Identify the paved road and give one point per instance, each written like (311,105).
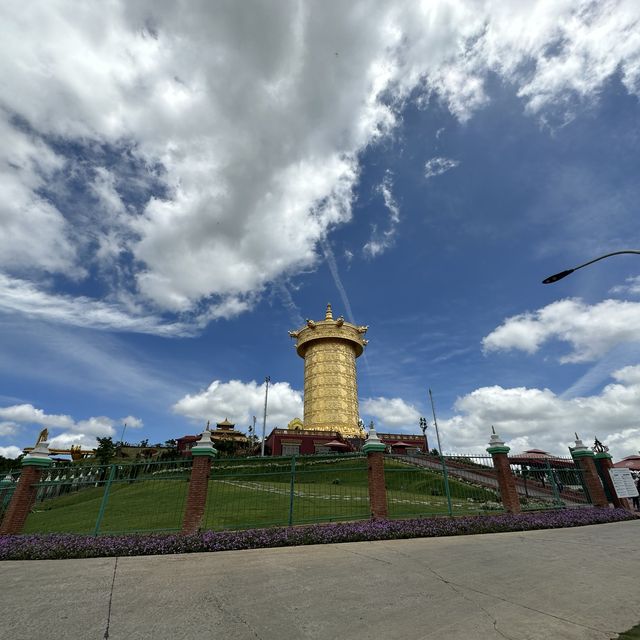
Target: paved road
(577,583)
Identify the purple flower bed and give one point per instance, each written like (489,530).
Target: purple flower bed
(51,546)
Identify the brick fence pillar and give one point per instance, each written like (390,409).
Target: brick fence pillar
(374,448)
(506,481)
(24,495)
(603,460)
(203,452)
(583,458)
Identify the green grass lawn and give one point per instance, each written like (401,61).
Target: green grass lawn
(632,634)
(257,493)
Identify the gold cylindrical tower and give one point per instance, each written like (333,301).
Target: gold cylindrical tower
(330,348)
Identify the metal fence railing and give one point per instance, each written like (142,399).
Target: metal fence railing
(434,485)
(550,484)
(286,491)
(259,492)
(117,498)
(8,482)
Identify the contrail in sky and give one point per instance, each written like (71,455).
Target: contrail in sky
(333,267)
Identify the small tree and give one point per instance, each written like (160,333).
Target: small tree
(105,451)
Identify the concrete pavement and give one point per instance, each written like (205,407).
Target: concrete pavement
(579,583)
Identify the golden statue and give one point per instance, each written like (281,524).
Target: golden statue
(330,348)
(44,435)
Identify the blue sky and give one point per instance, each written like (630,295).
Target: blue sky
(181,185)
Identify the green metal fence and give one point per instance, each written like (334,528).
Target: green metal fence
(555,483)
(117,498)
(286,491)
(431,485)
(259,492)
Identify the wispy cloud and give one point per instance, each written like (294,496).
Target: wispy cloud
(437,166)
(282,290)
(380,241)
(631,286)
(83,359)
(20,296)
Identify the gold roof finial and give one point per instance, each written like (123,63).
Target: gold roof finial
(329,314)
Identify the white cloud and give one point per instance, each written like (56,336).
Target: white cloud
(631,286)
(538,418)
(27,413)
(251,123)
(438,166)
(381,241)
(82,432)
(390,413)
(34,233)
(67,439)
(8,428)
(20,296)
(132,422)
(591,330)
(239,401)
(10,452)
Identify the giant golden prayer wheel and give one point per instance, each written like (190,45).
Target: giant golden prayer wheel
(330,348)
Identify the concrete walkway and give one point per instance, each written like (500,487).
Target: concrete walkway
(580,583)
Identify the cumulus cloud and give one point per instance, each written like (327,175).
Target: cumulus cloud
(239,401)
(82,432)
(27,413)
(220,145)
(132,422)
(591,330)
(10,452)
(392,413)
(438,166)
(538,418)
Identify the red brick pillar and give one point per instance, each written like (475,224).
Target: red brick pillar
(374,448)
(202,453)
(604,459)
(583,458)
(506,481)
(24,495)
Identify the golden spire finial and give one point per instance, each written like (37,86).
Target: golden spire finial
(328,315)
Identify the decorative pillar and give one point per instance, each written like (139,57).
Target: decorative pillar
(603,462)
(583,458)
(24,495)
(374,448)
(506,481)
(203,452)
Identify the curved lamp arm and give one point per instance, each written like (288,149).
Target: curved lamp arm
(563,274)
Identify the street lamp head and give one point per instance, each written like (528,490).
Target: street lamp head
(558,276)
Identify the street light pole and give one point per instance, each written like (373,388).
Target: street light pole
(267,380)
(563,274)
(444,464)
(423,426)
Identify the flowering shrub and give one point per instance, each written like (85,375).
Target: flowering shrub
(39,547)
